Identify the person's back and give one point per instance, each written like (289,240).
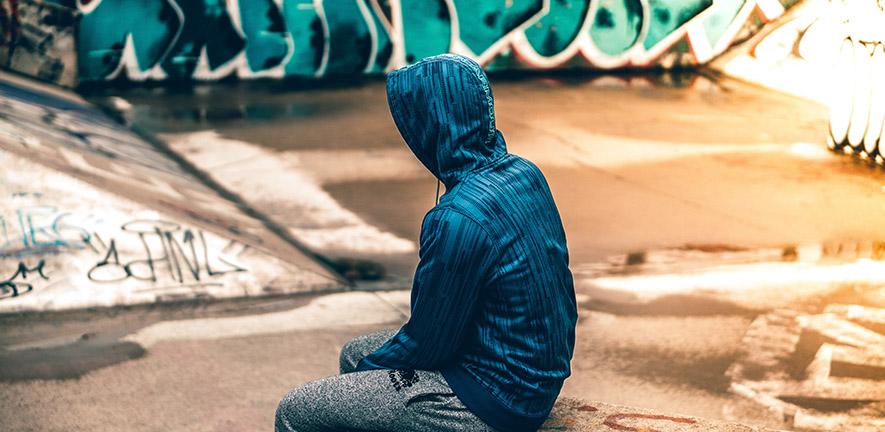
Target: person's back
(493,305)
(523,339)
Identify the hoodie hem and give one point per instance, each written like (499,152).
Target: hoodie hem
(486,406)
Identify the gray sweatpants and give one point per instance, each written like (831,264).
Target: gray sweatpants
(375,401)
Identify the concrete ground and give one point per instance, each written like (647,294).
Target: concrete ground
(715,180)
(634,163)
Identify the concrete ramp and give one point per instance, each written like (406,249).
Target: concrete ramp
(94,215)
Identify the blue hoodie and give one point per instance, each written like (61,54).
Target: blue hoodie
(493,304)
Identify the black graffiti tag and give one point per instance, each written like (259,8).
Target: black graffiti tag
(17,284)
(184,253)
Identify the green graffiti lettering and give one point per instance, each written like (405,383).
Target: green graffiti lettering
(350,40)
(267,41)
(178,39)
(617,25)
(208,28)
(427,28)
(483,23)
(153,26)
(559,27)
(308,37)
(719,21)
(383,45)
(667,16)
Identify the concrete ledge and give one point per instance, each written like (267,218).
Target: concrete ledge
(576,415)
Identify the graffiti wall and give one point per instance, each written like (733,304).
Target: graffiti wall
(213,39)
(832,52)
(857,107)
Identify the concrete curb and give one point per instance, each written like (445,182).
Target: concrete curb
(576,415)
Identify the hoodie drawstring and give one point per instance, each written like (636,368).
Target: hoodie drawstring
(437,191)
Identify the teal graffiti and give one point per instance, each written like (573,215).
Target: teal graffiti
(720,19)
(383,44)
(311,38)
(208,27)
(617,25)
(357,39)
(559,27)
(102,32)
(482,23)
(308,37)
(40,228)
(350,40)
(667,16)
(427,28)
(267,40)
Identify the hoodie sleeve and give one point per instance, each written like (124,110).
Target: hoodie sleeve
(455,257)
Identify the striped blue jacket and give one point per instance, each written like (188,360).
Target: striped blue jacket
(493,303)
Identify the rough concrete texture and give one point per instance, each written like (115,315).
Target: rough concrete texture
(320,221)
(817,371)
(37,38)
(229,364)
(577,415)
(69,239)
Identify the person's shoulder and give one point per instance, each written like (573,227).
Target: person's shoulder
(525,164)
(454,218)
(449,212)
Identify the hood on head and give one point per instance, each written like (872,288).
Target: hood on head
(443,108)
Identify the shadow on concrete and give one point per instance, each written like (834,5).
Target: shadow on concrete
(67,361)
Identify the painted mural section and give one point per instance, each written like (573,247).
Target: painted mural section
(213,39)
(857,105)
(832,52)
